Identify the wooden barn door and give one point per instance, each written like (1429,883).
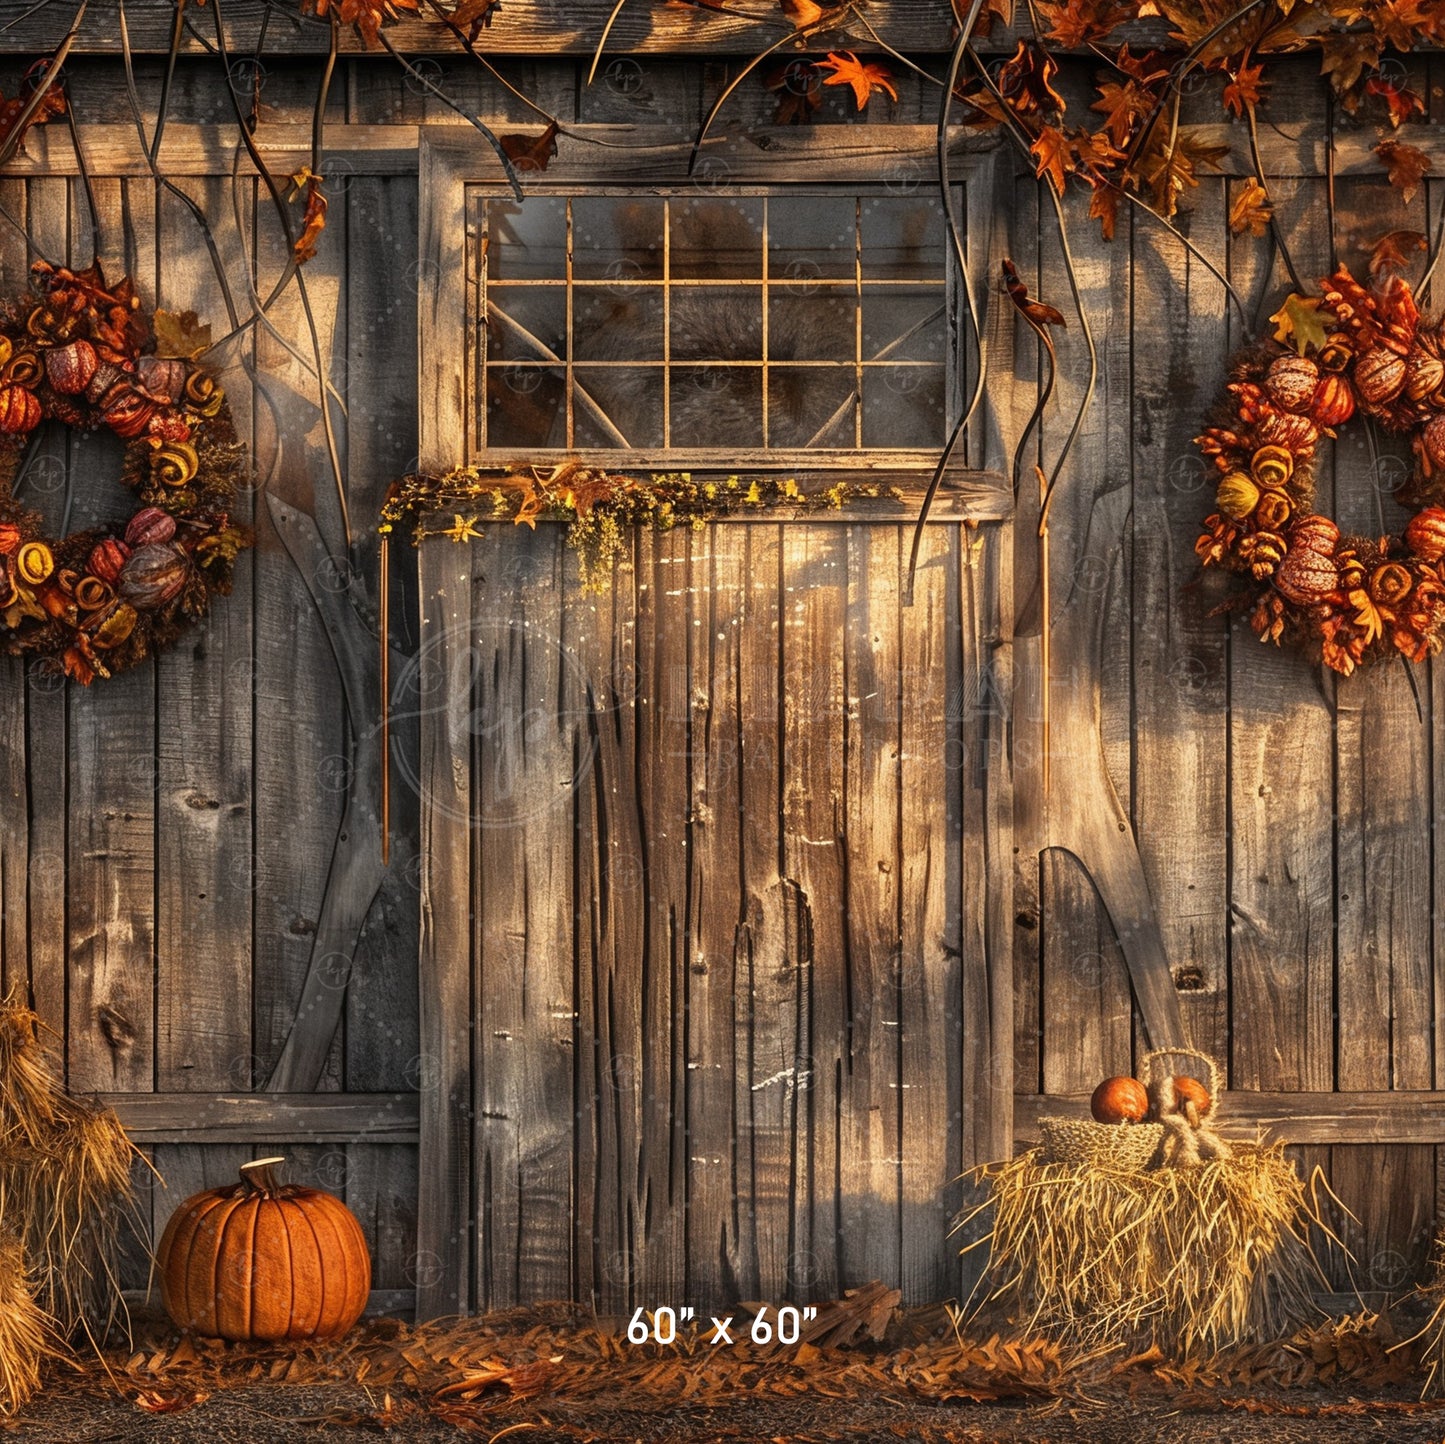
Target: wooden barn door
(715,964)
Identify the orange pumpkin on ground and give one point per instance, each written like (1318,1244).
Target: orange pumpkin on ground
(264,1260)
(1120,1100)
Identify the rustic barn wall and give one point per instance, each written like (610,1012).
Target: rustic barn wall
(1284,815)
(165,841)
(167,835)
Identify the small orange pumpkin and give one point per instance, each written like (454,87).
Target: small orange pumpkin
(19,410)
(1191,1090)
(264,1260)
(1120,1100)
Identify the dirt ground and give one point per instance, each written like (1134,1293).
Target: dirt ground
(555,1375)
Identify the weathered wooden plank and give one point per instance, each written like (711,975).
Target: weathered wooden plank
(1310,1116)
(204,698)
(611,946)
(16,840)
(870,1156)
(110,866)
(1281,786)
(813,804)
(990,1072)
(664,757)
(203,1117)
(301,740)
(858,151)
(523,789)
(772,953)
(1382,831)
(937,746)
(1087,1007)
(442,386)
(909,24)
(1180,676)
(379,381)
(716,987)
(444,1242)
(1014,365)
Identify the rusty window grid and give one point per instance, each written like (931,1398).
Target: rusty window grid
(866,289)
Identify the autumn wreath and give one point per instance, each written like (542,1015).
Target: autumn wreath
(1353,599)
(96,602)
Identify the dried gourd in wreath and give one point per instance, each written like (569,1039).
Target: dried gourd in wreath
(98,601)
(1350,599)
(264,1260)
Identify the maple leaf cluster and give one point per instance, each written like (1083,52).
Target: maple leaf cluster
(1131,142)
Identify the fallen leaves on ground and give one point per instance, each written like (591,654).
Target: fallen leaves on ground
(478,1374)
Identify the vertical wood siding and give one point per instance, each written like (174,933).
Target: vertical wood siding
(164,840)
(724,901)
(165,836)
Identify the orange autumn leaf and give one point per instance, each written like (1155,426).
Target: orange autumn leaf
(1027,77)
(313,221)
(1078,23)
(531,152)
(1051,156)
(1251,210)
(1121,106)
(801,12)
(1400,102)
(1245,90)
(1405,165)
(1104,208)
(367,15)
(1389,252)
(862,76)
(474,16)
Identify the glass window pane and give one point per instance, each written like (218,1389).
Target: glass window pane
(902,406)
(525,323)
(527,241)
(904,324)
(617,325)
(627,397)
(525,406)
(717,236)
(810,406)
(816,327)
(717,406)
(902,237)
(617,239)
(811,238)
(717,323)
(699,362)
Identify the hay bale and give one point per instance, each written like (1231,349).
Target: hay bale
(25,1341)
(65,1184)
(1190,1259)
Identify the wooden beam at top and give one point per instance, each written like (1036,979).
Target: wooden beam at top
(526,27)
(759,156)
(1383,1117)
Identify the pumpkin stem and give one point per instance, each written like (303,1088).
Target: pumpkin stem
(259,1176)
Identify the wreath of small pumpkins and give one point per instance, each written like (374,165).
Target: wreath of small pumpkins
(1350,600)
(96,602)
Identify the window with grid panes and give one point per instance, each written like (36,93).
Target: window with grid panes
(753,325)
